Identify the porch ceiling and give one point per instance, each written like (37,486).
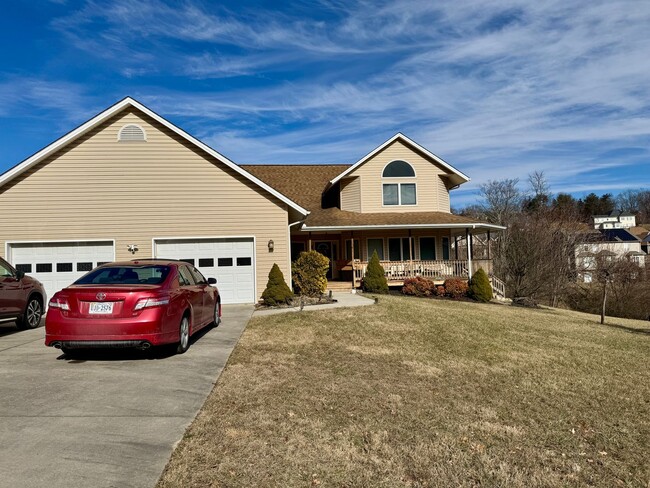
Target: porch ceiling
(332,219)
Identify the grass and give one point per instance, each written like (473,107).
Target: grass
(420,393)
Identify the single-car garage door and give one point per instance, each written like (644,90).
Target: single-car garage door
(230,260)
(58,264)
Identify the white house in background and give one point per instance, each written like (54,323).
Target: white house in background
(615,243)
(614,220)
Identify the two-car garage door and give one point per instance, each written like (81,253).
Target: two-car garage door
(231,261)
(58,264)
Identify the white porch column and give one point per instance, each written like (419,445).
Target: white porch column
(468,238)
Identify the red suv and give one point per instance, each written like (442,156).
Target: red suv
(140,304)
(21,297)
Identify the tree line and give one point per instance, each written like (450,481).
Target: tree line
(536,255)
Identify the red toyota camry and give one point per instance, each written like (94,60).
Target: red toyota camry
(138,304)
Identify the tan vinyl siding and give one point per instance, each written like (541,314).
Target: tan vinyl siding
(99,188)
(432,194)
(351,194)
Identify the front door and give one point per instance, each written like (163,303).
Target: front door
(325,248)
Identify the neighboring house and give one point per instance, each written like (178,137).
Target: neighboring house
(612,243)
(129,184)
(614,220)
(643,234)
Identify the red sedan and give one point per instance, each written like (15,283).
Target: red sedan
(138,304)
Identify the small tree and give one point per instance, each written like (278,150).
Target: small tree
(374,280)
(310,273)
(277,290)
(479,287)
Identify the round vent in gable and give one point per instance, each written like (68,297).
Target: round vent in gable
(132,133)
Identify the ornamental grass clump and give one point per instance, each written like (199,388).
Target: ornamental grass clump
(277,291)
(479,287)
(374,281)
(310,273)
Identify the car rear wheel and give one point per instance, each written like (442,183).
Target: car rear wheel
(184,336)
(31,318)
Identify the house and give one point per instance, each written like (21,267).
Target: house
(614,220)
(609,243)
(129,184)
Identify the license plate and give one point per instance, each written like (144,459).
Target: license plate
(100,307)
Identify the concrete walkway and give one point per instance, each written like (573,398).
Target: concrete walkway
(108,420)
(343,299)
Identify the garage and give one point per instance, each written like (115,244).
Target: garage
(58,264)
(230,260)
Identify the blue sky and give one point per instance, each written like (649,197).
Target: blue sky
(497,88)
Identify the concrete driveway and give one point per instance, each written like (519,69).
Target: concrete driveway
(107,420)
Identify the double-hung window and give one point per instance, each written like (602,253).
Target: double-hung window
(398,192)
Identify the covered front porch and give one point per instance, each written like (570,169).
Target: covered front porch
(434,252)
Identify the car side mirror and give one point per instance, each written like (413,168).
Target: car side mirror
(212,281)
(20,275)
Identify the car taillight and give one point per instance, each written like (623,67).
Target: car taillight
(150,302)
(60,303)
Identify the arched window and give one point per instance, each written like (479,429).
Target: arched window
(398,169)
(132,133)
(399,193)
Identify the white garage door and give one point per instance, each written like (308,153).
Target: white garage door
(231,261)
(58,264)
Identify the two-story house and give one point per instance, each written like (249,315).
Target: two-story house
(614,220)
(129,184)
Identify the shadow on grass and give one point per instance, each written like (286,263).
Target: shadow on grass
(631,330)
(79,356)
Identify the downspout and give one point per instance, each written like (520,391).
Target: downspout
(289,253)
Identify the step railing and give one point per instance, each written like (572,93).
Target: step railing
(498,287)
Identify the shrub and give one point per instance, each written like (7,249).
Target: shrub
(479,287)
(277,290)
(374,280)
(455,287)
(310,273)
(419,287)
(440,291)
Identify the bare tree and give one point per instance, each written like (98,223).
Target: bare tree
(539,184)
(612,272)
(501,200)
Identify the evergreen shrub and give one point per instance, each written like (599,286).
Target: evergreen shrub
(374,280)
(277,291)
(479,287)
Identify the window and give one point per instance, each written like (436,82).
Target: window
(398,249)
(125,275)
(376,245)
(445,248)
(63,267)
(348,249)
(44,267)
(5,271)
(399,194)
(427,248)
(84,266)
(188,261)
(244,261)
(398,169)
(224,262)
(184,276)
(198,277)
(25,268)
(206,263)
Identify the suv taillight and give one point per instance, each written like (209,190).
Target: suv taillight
(150,302)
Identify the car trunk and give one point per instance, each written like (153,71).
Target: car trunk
(101,302)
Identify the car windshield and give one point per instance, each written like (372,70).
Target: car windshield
(125,275)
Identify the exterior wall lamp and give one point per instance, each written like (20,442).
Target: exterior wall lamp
(271,245)
(132,248)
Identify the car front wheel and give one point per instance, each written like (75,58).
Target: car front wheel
(184,336)
(31,318)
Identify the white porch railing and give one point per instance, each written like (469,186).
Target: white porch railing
(401,270)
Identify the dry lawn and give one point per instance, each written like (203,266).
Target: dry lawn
(419,393)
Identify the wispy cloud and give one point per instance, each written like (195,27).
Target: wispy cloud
(498,88)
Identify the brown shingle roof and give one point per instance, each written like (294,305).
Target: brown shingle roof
(302,183)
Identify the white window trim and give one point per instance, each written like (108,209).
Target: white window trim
(399,193)
(119,133)
(391,162)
